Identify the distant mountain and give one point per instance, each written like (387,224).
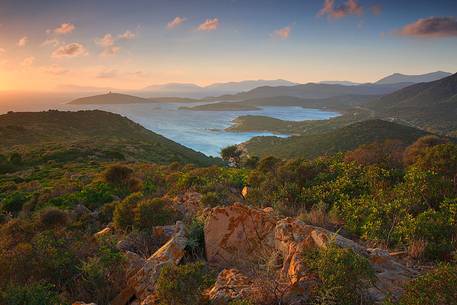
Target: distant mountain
(431,105)
(340,140)
(314,91)
(195,91)
(339,82)
(65,136)
(109,98)
(422,78)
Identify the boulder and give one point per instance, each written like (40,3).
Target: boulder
(188,204)
(82,303)
(237,233)
(143,281)
(106,231)
(230,285)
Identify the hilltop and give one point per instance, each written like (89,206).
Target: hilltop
(109,98)
(421,78)
(90,134)
(330,142)
(431,106)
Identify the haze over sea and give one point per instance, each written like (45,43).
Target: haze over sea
(200,130)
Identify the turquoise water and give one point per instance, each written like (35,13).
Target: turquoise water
(202,130)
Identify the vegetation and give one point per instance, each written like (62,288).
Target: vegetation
(396,193)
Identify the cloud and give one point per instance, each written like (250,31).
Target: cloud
(73,49)
(376,9)
(111,50)
(351,7)
(282,33)
(105,41)
(2,50)
(209,25)
(23,42)
(127,35)
(64,28)
(107,73)
(431,27)
(176,22)
(50,42)
(55,70)
(28,61)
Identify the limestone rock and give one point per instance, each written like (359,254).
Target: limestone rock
(143,282)
(106,231)
(237,233)
(230,285)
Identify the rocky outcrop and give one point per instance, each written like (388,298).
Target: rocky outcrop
(237,233)
(187,204)
(141,284)
(230,285)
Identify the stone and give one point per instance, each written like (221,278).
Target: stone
(237,233)
(230,285)
(106,231)
(244,192)
(82,303)
(143,281)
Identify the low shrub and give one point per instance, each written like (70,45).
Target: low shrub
(33,294)
(184,284)
(152,212)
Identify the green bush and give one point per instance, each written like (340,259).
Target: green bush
(152,212)
(437,287)
(343,274)
(14,202)
(196,239)
(210,199)
(32,294)
(184,284)
(124,215)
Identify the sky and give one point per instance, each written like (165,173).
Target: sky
(52,45)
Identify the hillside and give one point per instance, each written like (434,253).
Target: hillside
(331,142)
(314,91)
(421,78)
(89,134)
(430,105)
(109,98)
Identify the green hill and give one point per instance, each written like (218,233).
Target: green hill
(89,134)
(339,140)
(431,106)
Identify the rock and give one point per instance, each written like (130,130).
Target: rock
(82,303)
(237,233)
(145,243)
(188,204)
(244,192)
(106,231)
(143,281)
(230,285)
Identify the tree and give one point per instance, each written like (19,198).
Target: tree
(232,155)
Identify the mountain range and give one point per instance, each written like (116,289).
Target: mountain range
(422,78)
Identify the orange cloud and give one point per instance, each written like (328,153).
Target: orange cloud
(111,50)
(55,70)
(105,41)
(176,22)
(127,35)
(351,7)
(64,28)
(28,61)
(209,25)
(23,42)
(74,49)
(282,33)
(431,27)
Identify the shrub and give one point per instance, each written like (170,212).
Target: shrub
(32,294)
(231,154)
(124,216)
(210,199)
(437,287)
(183,285)
(118,175)
(196,239)
(52,217)
(343,274)
(152,212)
(16,159)
(14,202)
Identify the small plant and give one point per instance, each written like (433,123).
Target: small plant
(33,294)
(183,285)
(152,212)
(53,217)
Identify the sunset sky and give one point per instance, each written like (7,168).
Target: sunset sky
(49,44)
